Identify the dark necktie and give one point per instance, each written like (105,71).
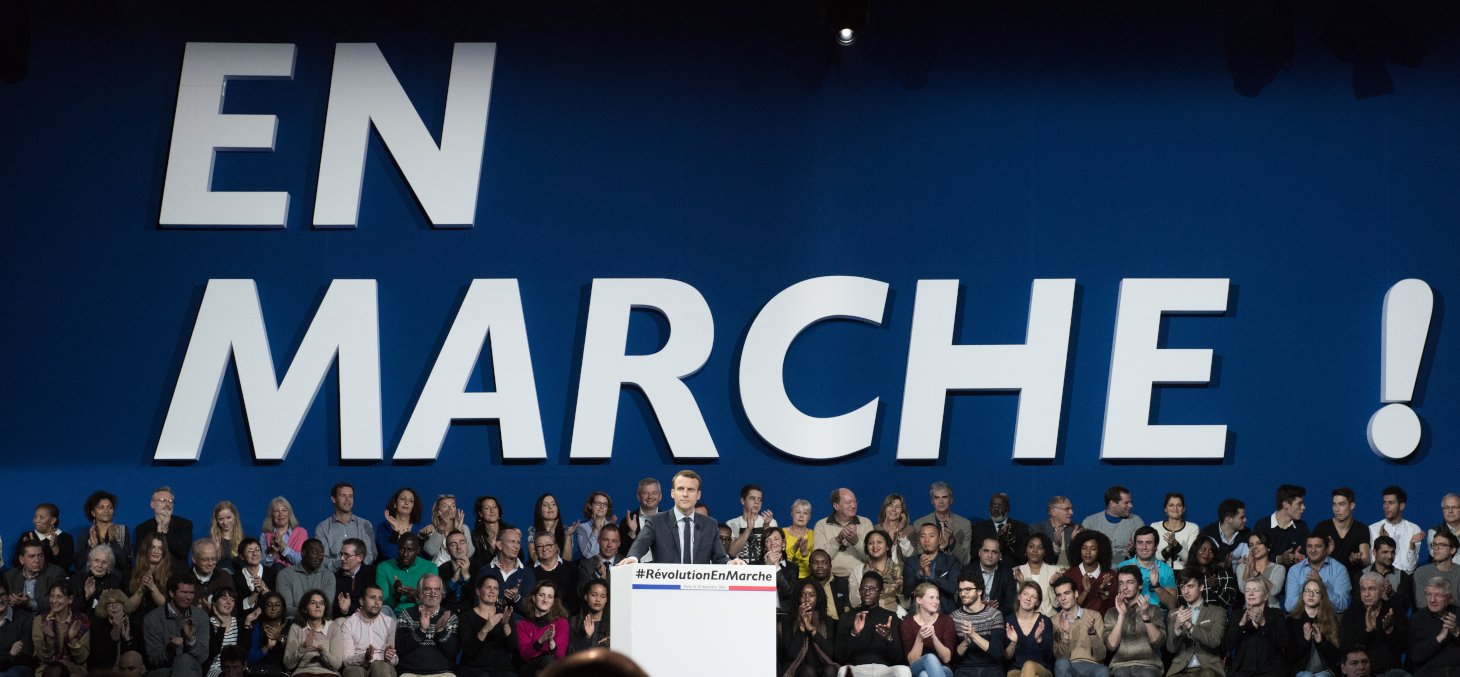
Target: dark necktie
(685,554)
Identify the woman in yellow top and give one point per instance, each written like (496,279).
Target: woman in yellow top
(62,637)
(799,537)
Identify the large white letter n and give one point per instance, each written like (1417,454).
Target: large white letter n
(231,322)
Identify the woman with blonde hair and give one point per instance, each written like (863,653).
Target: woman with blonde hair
(227,533)
(892,518)
(445,518)
(149,578)
(800,538)
(281,536)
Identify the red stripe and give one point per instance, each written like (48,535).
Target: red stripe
(771,588)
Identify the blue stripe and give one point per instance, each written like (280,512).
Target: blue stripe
(646,586)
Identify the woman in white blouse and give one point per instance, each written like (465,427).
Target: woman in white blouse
(1176,534)
(1258,566)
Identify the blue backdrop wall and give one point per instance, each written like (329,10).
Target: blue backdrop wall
(730,147)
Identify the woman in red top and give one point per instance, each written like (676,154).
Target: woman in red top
(928,635)
(543,637)
(1095,584)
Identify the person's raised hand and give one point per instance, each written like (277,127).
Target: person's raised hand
(1317,635)
(1063,622)
(803,547)
(441,622)
(16,648)
(766,517)
(885,631)
(1389,621)
(1039,629)
(342,601)
(1142,602)
(1130,546)
(253,615)
(1010,634)
(1313,576)
(632,521)
(1308,631)
(369,654)
(390,652)
(48,630)
(1246,617)
(548,633)
(189,628)
(1018,575)
(858,623)
(925,563)
(1415,540)
(588,625)
(992,604)
(598,564)
(1155,576)
(926,631)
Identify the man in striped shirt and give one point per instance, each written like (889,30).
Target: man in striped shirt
(980,628)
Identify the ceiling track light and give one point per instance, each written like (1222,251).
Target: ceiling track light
(846,20)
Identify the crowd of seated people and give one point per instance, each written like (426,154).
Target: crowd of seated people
(938,596)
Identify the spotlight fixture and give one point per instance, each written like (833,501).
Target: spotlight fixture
(846,20)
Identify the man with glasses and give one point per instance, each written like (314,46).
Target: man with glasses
(550,566)
(1434,650)
(177,530)
(867,640)
(399,578)
(204,574)
(426,636)
(352,578)
(308,574)
(1450,509)
(1060,528)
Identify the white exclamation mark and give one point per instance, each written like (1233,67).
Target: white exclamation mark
(1394,430)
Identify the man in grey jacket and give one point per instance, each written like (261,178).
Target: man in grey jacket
(176,634)
(308,574)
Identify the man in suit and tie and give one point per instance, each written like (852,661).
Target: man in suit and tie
(1195,631)
(680,536)
(599,567)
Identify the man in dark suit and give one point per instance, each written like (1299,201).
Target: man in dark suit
(178,530)
(680,536)
(932,565)
(628,528)
(1011,533)
(599,567)
(998,577)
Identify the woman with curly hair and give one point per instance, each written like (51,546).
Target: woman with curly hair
(1095,583)
(62,637)
(101,509)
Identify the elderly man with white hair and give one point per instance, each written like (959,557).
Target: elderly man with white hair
(1434,637)
(1378,625)
(426,637)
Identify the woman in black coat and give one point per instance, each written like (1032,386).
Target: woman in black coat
(1257,634)
(806,634)
(112,632)
(1313,633)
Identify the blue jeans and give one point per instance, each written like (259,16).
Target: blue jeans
(1305,673)
(18,671)
(1064,668)
(929,666)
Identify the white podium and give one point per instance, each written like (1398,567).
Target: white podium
(700,620)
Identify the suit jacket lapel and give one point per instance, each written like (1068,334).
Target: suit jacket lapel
(674,531)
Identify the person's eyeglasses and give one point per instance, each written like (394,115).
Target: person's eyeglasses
(1310,592)
(164,501)
(871,588)
(430,591)
(206,560)
(541,548)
